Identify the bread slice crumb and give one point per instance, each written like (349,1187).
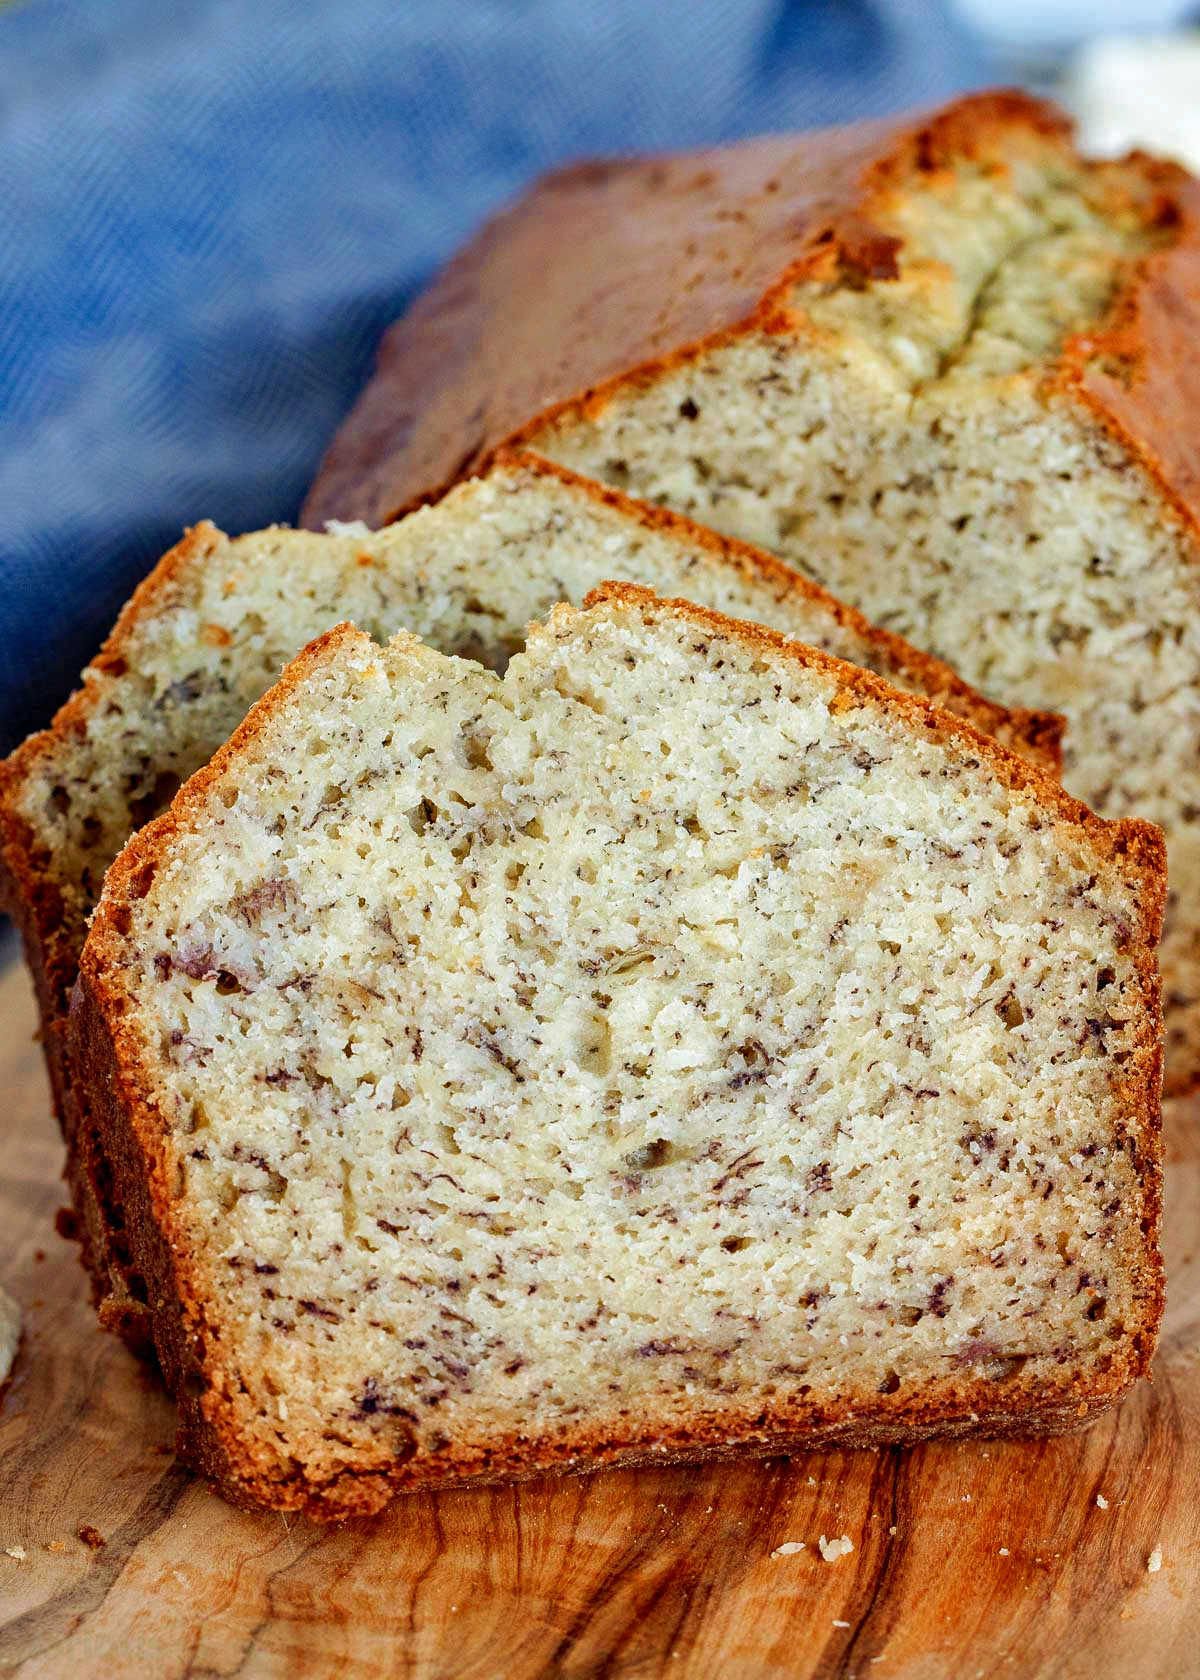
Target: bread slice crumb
(1004,1551)
(1154,1561)
(788,1549)
(832,1550)
(1102,1502)
(17,1552)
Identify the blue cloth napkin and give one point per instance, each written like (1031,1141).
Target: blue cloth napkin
(212,208)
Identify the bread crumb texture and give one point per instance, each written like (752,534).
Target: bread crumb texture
(832,1550)
(907,436)
(501,1102)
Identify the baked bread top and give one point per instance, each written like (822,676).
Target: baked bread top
(684,1043)
(646,262)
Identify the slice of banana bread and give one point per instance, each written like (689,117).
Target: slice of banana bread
(684,1044)
(941,363)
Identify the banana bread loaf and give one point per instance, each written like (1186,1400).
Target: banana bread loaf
(941,364)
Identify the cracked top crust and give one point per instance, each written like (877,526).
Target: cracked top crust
(473,367)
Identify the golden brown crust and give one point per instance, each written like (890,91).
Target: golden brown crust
(769,1433)
(117,1287)
(135,1137)
(473,368)
(1138,375)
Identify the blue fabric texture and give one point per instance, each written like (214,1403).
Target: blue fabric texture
(212,208)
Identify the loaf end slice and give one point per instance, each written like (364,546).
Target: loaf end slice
(685,1044)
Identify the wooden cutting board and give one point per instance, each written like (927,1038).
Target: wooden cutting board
(969,1560)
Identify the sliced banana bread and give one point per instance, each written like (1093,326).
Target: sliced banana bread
(217,620)
(684,1044)
(941,364)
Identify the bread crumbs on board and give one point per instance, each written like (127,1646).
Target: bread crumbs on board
(832,1550)
(1154,1561)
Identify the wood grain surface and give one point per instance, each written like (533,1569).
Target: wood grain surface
(975,1560)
